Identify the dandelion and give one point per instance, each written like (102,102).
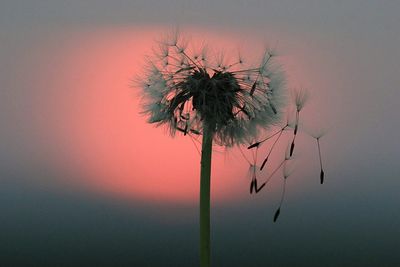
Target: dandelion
(225,101)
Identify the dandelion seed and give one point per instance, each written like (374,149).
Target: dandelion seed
(252,169)
(322,174)
(286,173)
(272,148)
(317,134)
(300,98)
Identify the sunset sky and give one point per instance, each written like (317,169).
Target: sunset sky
(84,180)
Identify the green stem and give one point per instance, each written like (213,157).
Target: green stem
(205,174)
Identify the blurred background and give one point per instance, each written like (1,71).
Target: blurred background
(85,181)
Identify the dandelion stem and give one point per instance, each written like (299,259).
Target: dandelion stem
(205,184)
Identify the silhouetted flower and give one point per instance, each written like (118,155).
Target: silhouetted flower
(228,102)
(183,88)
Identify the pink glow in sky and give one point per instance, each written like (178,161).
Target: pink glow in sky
(98,125)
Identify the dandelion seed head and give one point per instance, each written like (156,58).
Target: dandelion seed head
(182,89)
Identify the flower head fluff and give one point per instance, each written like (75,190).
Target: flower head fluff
(186,89)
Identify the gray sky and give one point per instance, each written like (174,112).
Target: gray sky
(349,50)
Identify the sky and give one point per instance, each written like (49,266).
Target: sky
(84,180)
